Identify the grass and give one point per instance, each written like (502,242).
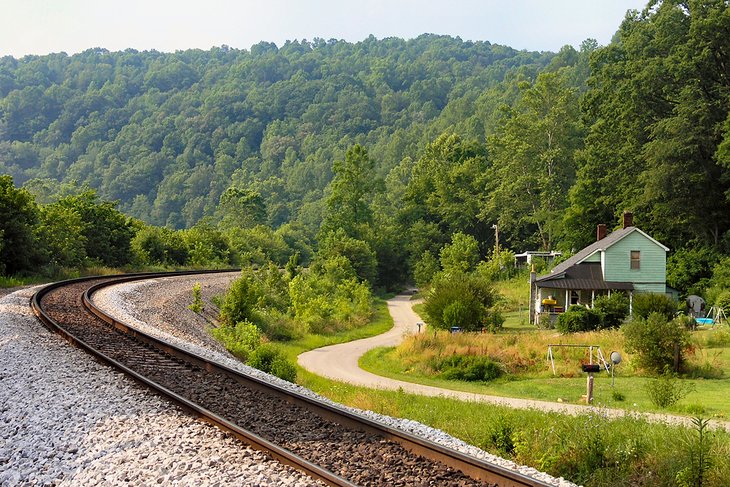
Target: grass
(588,449)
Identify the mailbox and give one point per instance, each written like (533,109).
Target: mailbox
(591,368)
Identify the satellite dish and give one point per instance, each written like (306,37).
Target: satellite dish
(615,358)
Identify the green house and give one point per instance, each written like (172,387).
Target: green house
(627,261)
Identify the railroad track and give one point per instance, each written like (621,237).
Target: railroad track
(327,443)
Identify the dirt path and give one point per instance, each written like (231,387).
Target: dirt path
(340,362)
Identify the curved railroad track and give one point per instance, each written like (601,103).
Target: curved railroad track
(327,443)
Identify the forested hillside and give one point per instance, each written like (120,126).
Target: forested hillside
(384,150)
(167,134)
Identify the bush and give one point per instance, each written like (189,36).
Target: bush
(271,360)
(648,303)
(577,319)
(656,341)
(470,368)
(197,305)
(459,300)
(241,301)
(241,340)
(667,390)
(614,309)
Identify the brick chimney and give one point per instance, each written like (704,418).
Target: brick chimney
(628,219)
(601,232)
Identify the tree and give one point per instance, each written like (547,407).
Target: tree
(461,255)
(241,208)
(348,205)
(107,232)
(534,161)
(19,214)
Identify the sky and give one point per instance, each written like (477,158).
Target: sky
(71,26)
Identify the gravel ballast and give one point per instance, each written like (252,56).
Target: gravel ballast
(65,419)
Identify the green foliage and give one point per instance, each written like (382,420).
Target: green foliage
(197,305)
(666,390)
(207,246)
(534,160)
(358,253)
(19,214)
(699,455)
(463,300)
(470,368)
(60,234)
(613,309)
(503,436)
(107,232)
(461,255)
(270,359)
(425,269)
(656,341)
(329,297)
(160,246)
(241,339)
(647,303)
(689,270)
(348,207)
(242,301)
(723,301)
(578,318)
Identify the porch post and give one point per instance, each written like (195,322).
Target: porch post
(593,298)
(631,303)
(533,297)
(567,299)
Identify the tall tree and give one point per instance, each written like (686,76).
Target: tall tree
(533,157)
(348,204)
(19,214)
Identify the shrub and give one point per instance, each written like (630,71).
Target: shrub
(614,309)
(470,368)
(578,318)
(241,301)
(648,303)
(656,341)
(241,340)
(271,360)
(667,390)
(197,305)
(459,300)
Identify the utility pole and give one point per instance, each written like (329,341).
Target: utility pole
(496,240)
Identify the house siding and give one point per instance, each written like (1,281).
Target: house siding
(593,258)
(651,277)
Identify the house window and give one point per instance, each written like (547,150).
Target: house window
(574,297)
(636,259)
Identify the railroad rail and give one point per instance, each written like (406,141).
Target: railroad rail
(327,443)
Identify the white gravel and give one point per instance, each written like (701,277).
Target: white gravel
(117,300)
(65,419)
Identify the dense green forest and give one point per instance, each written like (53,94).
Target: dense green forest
(380,151)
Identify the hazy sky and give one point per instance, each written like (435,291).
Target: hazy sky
(43,26)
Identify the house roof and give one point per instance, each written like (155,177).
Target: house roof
(599,245)
(587,275)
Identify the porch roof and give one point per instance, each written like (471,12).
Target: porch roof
(587,275)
